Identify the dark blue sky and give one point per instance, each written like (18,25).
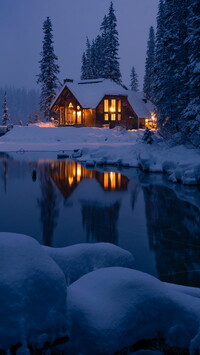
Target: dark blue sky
(21,35)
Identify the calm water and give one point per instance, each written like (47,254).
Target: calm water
(61,203)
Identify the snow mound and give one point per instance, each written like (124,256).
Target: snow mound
(113,308)
(188,174)
(32,293)
(77,260)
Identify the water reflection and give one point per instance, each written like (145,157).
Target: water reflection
(68,174)
(62,203)
(101,222)
(47,203)
(173,227)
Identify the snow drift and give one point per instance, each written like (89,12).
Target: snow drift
(32,293)
(113,308)
(77,260)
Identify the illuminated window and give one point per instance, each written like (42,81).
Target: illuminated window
(112,109)
(119,106)
(71,105)
(113,106)
(105,105)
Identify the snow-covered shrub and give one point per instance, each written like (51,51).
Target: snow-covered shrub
(148,136)
(113,308)
(77,260)
(32,293)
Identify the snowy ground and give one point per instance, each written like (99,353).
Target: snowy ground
(110,308)
(106,146)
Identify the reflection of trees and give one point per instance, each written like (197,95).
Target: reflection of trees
(174,235)
(134,195)
(48,207)
(100,222)
(5,174)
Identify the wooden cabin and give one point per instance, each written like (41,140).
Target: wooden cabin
(101,103)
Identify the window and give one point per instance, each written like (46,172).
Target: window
(119,105)
(112,109)
(113,106)
(105,105)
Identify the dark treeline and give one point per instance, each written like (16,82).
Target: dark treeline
(22,104)
(172,78)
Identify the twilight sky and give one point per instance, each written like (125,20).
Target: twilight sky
(21,35)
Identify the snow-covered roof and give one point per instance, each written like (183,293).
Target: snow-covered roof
(89,93)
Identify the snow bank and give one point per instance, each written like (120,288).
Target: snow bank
(114,308)
(77,260)
(32,293)
(108,146)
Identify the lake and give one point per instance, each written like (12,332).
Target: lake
(62,203)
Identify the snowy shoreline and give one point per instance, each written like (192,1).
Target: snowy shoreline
(103,146)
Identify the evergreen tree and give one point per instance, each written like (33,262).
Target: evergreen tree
(84,67)
(148,86)
(134,80)
(111,41)
(101,57)
(171,64)
(48,70)
(98,58)
(5,117)
(192,111)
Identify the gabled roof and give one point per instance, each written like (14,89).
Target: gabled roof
(89,93)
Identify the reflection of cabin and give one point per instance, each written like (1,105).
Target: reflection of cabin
(101,102)
(68,174)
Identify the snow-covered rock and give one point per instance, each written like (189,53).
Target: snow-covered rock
(77,260)
(32,293)
(113,308)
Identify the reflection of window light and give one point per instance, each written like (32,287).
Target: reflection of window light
(70,180)
(78,173)
(105,180)
(78,170)
(113,181)
(119,180)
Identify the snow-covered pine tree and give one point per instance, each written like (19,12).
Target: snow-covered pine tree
(148,86)
(159,73)
(180,61)
(84,67)
(49,70)
(97,57)
(170,64)
(5,117)
(134,80)
(111,67)
(165,66)
(192,111)
(105,45)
